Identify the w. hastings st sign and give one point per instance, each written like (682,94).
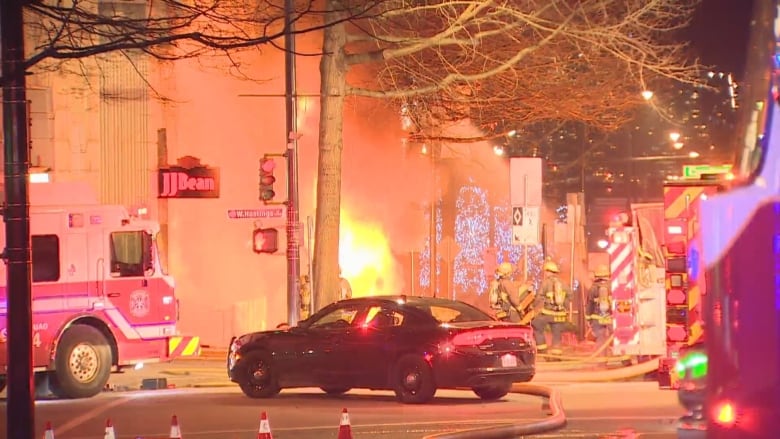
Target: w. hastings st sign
(188,179)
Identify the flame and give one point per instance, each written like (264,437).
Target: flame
(365,257)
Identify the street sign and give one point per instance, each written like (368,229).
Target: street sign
(696,171)
(517,216)
(527,231)
(269,212)
(525,181)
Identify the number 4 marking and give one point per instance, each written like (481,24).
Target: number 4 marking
(36,341)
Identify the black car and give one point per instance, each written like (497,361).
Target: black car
(411,345)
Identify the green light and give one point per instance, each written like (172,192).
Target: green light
(696,362)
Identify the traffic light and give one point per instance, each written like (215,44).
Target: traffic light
(267,179)
(265,240)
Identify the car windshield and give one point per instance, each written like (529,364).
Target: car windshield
(452,312)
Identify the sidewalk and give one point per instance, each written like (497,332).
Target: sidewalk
(181,373)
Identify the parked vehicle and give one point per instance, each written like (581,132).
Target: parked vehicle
(410,345)
(100,299)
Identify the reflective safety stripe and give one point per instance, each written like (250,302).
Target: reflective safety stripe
(181,346)
(550,312)
(98,305)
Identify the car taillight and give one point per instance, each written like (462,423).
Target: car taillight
(725,414)
(475,338)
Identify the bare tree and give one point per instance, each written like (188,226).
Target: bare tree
(489,61)
(165,29)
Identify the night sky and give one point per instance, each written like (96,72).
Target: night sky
(719,34)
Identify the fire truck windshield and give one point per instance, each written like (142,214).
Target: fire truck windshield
(132,253)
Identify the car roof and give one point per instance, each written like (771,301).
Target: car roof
(395,298)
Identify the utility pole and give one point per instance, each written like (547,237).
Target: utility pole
(16,213)
(293,217)
(433,244)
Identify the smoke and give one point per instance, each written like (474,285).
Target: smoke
(384,180)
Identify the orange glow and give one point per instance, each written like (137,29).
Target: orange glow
(725,414)
(365,258)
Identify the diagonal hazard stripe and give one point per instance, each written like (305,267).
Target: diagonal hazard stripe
(192,347)
(688,197)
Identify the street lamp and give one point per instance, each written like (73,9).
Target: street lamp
(674,136)
(647,95)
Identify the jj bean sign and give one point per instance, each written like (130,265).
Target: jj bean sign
(189,179)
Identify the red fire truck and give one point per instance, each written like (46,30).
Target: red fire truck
(685,286)
(101,301)
(731,383)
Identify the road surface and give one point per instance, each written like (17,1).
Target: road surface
(604,410)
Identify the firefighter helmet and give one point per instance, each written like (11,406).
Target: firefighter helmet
(551,266)
(505,269)
(601,271)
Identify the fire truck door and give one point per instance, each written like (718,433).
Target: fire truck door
(80,286)
(127,287)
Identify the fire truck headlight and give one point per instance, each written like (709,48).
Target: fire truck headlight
(167,300)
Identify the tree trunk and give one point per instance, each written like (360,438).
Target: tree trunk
(333,72)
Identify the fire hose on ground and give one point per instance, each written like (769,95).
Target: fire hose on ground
(566,362)
(595,376)
(556,419)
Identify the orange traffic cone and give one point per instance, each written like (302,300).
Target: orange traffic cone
(345,429)
(110,434)
(265,428)
(49,433)
(175,430)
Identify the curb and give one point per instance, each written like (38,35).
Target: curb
(193,371)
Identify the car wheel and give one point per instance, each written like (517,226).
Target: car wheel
(335,390)
(258,378)
(412,380)
(491,393)
(82,364)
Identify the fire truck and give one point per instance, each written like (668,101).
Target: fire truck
(636,269)
(685,285)
(730,383)
(101,301)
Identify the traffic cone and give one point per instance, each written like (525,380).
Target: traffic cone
(49,433)
(110,434)
(175,430)
(345,429)
(265,428)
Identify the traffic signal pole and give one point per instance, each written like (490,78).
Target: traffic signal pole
(293,217)
(16,213)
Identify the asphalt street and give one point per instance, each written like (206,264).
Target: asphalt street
(594,410)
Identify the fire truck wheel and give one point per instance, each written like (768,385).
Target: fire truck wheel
(82,363)
(2,382)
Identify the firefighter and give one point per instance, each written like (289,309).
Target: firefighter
(599,311)
(345,289)
(553,303)
(305,297)
(505,306)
